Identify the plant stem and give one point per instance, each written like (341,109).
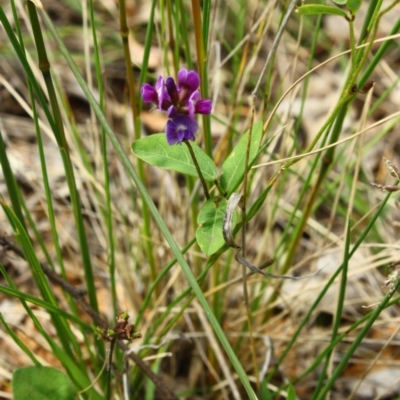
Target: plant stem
(109,361)
(196,164)
(137,133)
(243,251)
(202,67)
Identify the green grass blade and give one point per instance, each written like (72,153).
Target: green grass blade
(64,151)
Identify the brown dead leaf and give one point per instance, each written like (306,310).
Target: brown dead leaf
(155,121)
(137,53)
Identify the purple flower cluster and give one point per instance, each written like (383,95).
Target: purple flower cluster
(181,101)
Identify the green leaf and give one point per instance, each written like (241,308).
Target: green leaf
(156,151)
(340,2)
(41,383)
(265,393)
(233,167)
(210,219)
(353,5)
(316,9)
(291,394)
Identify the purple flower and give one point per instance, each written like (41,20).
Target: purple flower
(179,128)
(188,82)
(181,101)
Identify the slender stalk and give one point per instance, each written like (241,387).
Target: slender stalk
(202,67)
(172,44)
(109,367)
(108,207)
(352,42)
(243,251)
(196,164)
(339,310)
(44,67)
(10,181)
(366,28)
(137,133)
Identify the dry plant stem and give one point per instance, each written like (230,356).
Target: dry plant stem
(275,44)
(222,149)
(196,12)
(201,65)
(171,39)
(78,295)
(108,217)
(196,164)
(124,32)
(109,366)
(243,251)
(137,129)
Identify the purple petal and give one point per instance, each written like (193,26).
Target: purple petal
(164,101)
(188,82)
(160,83)
(203,106)
(149,94)
(182,77)
(192,81)
(195,97)
(172,112)
(172,89)
(192,103)
(180,128)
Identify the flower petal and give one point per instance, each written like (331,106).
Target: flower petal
(172,89)
(203,106)
(160,83)
(164,101)
(192,103)
(149,94)
(188,82)
(192,81)
(182,77)
(180,128)
(172,112)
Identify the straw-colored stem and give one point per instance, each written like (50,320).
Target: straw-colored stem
(137,133)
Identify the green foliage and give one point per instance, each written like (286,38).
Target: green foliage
(291,394)
(41,383)
(209,233)
(156,151)
(316,9)
(233,168)
(353,5)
